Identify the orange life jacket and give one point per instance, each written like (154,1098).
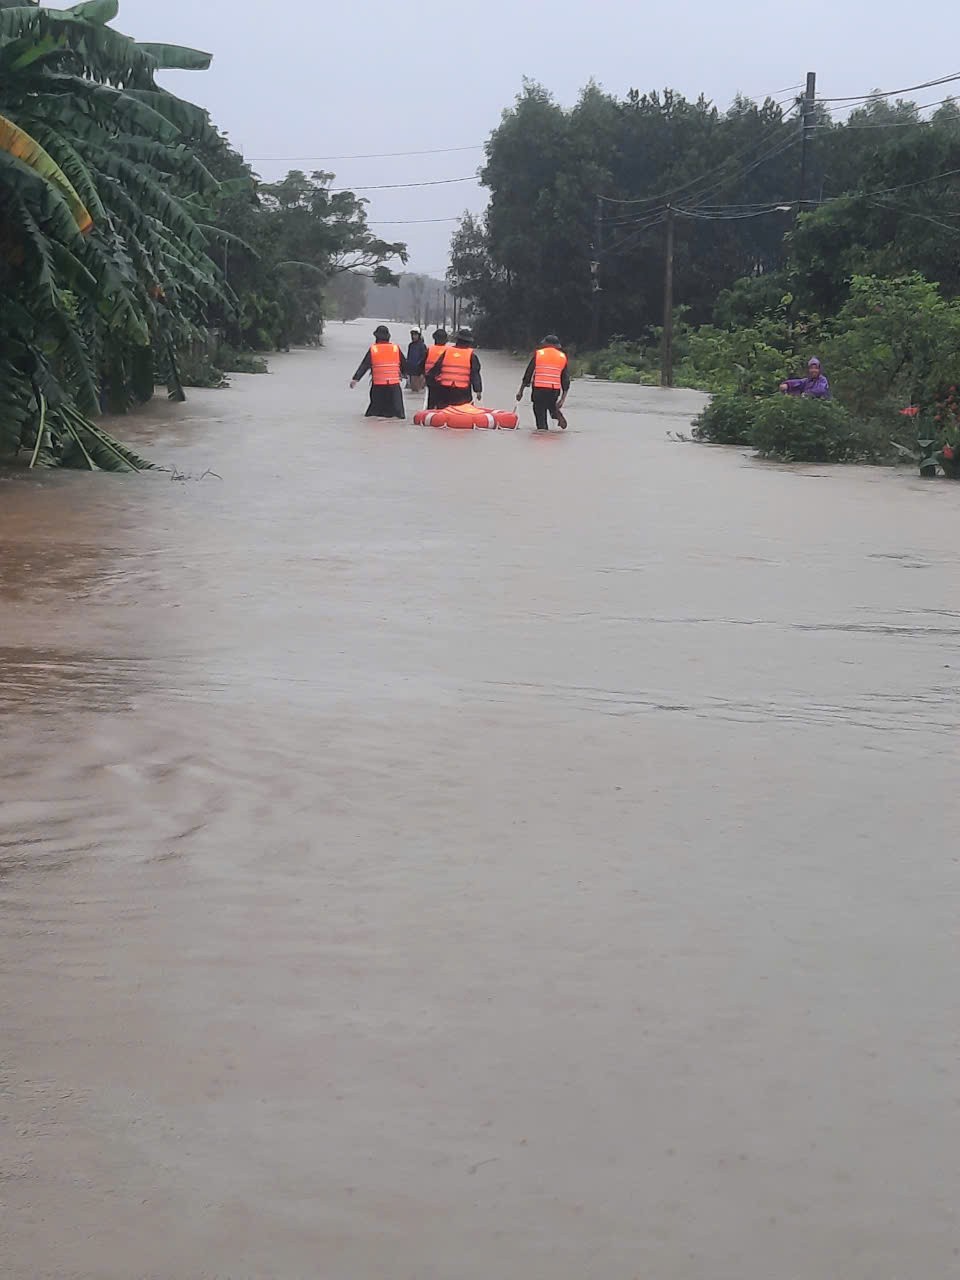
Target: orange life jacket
(385,364)
(433,355)
(455,372)
(549,365)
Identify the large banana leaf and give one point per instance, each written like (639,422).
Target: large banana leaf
(23,147)
(85,107)
(97,11)
(177,57)
(105,55)
(66,156)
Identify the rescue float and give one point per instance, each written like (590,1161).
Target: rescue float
(467,417)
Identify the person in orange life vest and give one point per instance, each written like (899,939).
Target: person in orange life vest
(386,364)
(456,374)
(549,371)
(440,344)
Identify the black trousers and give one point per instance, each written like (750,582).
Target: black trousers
(442,397)
(544,401)
(386,402)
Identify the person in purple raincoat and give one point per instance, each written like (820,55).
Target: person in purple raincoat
(814,385)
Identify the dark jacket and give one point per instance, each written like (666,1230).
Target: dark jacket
(416,357)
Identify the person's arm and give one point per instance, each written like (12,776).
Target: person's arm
(820,389)
(564,382)
(793,386)
(364,367)
(404,367)
(435,371)
(476,382)
(527,376)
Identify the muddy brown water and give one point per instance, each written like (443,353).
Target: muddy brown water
(429,855)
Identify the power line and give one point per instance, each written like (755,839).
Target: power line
(695,182)
(370,155)
(889,93)
(782,145)
(886,124)
(719,216)
(410,222)
(914,213)
(396,186)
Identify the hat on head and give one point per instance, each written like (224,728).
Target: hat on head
(382,333)
(813,361)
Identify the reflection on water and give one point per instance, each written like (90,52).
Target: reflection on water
(544,841)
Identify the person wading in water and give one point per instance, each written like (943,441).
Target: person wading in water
(456,373)
(549,371)
(387,366)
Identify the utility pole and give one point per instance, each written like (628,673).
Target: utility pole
(666,363)
(595,276)
(806,127)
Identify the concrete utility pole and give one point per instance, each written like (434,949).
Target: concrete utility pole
(806,128)
(595,276)
(666,361)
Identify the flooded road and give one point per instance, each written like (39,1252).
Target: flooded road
(485,856)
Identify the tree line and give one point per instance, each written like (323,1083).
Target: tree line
(572,240)
(130,230)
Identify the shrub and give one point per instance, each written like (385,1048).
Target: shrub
(241,361)
(894,340)
(727,419)
(793,429)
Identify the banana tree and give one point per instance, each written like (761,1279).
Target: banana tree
(103,259)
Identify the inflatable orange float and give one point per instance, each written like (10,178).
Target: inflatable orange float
(466,417)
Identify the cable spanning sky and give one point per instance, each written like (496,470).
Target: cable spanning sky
(299,83)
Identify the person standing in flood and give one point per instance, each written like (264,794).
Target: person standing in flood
(434,352)
(456,373)
(549,372)
(416,359)
(387,365)
(814,386)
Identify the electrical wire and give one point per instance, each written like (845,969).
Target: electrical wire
(890,93)
(914,213)
(700,198)
(411,222)
(369,155)
(718,216)
(694,182)
(885,124)
(396,186)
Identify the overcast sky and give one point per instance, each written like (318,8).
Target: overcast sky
(298,80)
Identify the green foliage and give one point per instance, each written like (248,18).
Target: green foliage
(799,429)
(750,360)
(123,215)
(232,361)
(895,341)
(889,200)
(727,419)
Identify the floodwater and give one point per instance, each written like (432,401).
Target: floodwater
(481,856)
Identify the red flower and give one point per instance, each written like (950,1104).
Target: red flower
(937,417)
(953,391)
(910,411)
(947,452)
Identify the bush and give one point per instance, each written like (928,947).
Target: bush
(620,361)
(240,361)
(894,341)
(793,429)
(727,419)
